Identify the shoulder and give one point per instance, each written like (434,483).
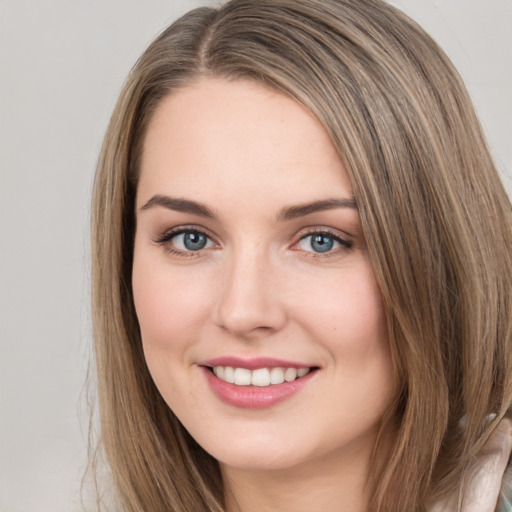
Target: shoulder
(505,503)
(498,463)
(490,487)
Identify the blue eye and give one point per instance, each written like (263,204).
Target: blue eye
(190,241)
(321,243)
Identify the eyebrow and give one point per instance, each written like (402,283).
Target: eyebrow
(301,210)
(179,205)
(286,214)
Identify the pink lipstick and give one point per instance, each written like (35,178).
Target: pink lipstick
(255,383)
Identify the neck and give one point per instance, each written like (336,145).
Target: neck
(333,483)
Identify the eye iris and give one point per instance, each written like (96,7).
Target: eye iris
(321,243)
(194,241)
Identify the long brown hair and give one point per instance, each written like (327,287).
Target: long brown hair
(435,215)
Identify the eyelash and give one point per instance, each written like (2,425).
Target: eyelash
(345,245)
(165,239)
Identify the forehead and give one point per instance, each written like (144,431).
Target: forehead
(234,136)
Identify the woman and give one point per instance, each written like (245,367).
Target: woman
(301,269)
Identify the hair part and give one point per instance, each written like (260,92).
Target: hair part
(436,218)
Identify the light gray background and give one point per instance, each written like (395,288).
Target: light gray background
(62,64)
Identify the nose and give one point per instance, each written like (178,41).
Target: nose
(249,300)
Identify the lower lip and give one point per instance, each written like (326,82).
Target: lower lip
(254,397)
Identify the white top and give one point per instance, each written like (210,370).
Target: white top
(492,480)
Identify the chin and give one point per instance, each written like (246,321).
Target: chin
(260,460)
(253,452)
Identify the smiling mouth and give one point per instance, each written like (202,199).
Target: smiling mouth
(259,377)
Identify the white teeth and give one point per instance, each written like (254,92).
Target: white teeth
(277,376)
(229,374)
(260,377)
(242,376)
(302,371)
(290,374)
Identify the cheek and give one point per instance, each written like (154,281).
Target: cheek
(171,309)
(170,303)
(346,311)
(346,316)
(349,321)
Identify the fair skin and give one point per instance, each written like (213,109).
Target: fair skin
(249,246)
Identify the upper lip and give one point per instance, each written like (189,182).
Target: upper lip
(253,363)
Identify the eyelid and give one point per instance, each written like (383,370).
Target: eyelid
(164,240)
(342,238)
(176,230)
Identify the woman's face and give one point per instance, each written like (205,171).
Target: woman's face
(261,321)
